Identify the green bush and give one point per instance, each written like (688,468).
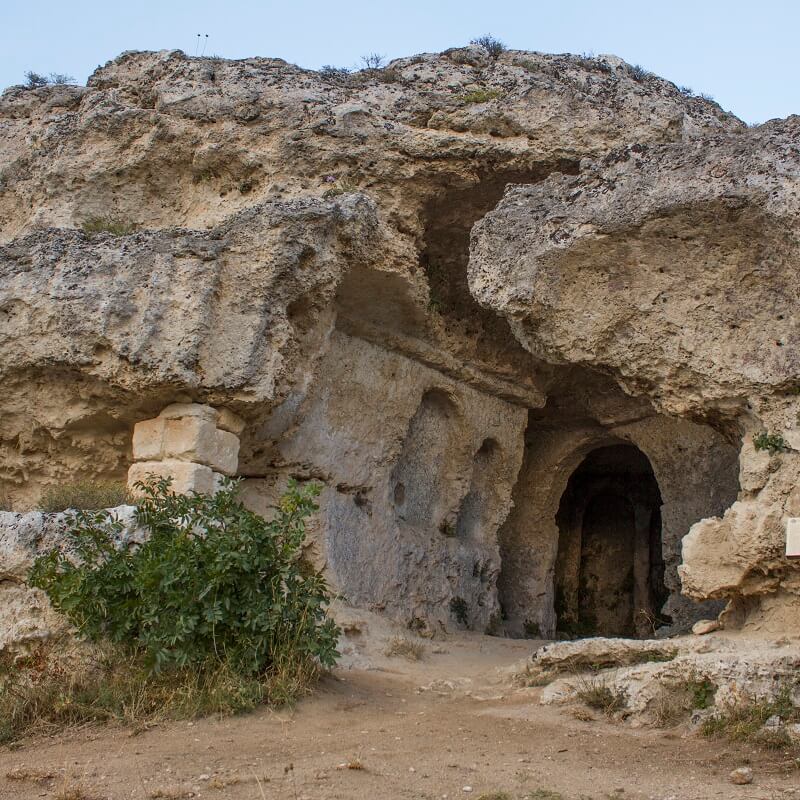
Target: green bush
(213,582)
(772,442)
(85,495)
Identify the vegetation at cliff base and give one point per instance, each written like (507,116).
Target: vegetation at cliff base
(216,611)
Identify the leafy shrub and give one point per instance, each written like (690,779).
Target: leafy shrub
(494,47)
(481,96)
(85,495)
(772,442)
(113,225)
(213,581)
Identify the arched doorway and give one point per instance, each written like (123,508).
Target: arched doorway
(609,578)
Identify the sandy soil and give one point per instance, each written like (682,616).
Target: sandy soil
(445,727)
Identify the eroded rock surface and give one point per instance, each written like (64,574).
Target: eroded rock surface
(674,269)
(292,246)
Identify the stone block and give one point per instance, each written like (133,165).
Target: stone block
(180,410)
(198,439)
(704,626)
(148,439)
(186,476)
(228,421)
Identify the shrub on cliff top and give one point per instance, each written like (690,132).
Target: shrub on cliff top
(494,47)
(213,582)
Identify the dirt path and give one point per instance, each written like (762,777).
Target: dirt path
(464,730)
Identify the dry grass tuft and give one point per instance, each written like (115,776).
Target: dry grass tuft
(56,689)
(87,495)
(94,226)
(26,775)
(744,721)
(675,702)
(73,791)
(405,647)
(596,693)
(581,714)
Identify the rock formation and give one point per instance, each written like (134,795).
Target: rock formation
(293,248)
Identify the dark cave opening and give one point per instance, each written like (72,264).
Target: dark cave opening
(609,578)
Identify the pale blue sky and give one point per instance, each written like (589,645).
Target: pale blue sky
(745,54)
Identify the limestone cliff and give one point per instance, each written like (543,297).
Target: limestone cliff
(293,246)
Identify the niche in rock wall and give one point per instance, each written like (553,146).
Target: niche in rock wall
(610,568)
(477,504)
(419,481)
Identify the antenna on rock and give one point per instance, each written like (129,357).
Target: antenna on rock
(197,44)
(205,42)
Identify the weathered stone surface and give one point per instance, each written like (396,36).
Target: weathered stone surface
(674,269)
(734,669)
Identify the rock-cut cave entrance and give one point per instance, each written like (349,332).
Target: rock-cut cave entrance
(609,577)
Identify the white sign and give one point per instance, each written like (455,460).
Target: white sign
(793,537)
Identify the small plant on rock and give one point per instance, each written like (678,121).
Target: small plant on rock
(744,720)
(676,701)
(334,74)
(494,47)
(638,72)
(773,443)
(480,96)
(338,187)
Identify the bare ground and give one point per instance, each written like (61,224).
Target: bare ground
(371,731)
